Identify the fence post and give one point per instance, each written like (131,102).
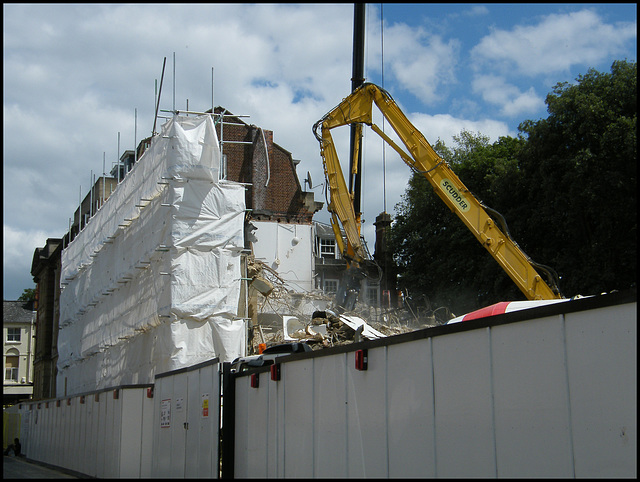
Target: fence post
(227,432)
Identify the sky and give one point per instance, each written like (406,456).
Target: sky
(78,76)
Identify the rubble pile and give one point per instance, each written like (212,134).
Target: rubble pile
(325,328)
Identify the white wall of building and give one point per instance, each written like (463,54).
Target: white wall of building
(287,249)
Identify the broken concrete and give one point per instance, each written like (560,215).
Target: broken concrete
(284,315)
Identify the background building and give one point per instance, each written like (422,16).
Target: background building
(45,269)
(18,327)
(329,263)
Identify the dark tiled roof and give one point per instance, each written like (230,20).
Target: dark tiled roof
(16,312)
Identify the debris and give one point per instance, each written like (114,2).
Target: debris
(262,285)
(308,335)
(287,315)
(355,322)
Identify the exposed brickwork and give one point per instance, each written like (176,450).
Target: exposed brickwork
(275,193)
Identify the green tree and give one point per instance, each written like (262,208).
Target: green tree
(581,167)
(436,253)
(28,294)
(566,186)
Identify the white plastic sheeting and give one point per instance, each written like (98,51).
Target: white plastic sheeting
(152,283)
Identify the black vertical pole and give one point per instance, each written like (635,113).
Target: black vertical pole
(227,435)
(357,80)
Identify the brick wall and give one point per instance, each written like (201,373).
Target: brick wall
(275,193)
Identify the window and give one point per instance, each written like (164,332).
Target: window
(372,296)
(327,248)
(13,334)
(330,286)
(11,367)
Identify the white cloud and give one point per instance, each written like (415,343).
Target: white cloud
(423,64)
(19,244)
(73,75)
(555,44)
(18,247)
(445,126)
(523,103)
(509,98)
(475,11)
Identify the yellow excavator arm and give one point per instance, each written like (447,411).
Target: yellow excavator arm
(357,108)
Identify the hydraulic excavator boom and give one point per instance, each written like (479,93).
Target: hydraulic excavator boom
(357,108)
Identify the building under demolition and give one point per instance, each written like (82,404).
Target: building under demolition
(154,273)
(152,282)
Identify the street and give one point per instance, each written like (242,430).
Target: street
(20,468)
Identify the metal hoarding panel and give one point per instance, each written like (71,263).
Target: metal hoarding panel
(178,429)
(531,399)
(43,431)
(131,414)
(203,419)
(82,460)
(297,380)
(330,416)
(112,436)
(65,427)
(148,422)
(208,421)
(92,439)
(463,405)
(366,404)
(603,388)
(274,428)
(410,417)
(101,431)
(243,450)
(192,432)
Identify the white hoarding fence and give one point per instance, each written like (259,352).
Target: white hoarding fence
(185,432)
(548,392)
(104,434)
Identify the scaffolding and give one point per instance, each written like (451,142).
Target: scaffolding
(152,283)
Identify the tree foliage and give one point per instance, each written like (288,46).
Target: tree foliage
(566,186)
(581,163)
(28,294)
(436,253)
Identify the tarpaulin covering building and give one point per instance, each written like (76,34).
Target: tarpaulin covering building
(153,281)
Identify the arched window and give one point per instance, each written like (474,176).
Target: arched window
(11,365)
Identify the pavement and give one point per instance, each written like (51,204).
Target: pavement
(22,468)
